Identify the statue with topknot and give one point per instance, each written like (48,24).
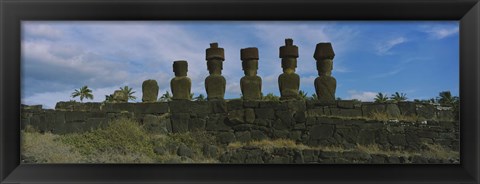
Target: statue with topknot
(180,84)
(289,81)
(250,84)
(325,84)
(215,83)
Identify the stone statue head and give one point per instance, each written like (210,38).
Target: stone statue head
(325,67)
(214,56)
(249,57)
(289,55)
(214,52)
(288,50)
(324,51)
(215,66)
(324,55)
(180,68)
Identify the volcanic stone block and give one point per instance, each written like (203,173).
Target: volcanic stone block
(234,105)
(346,104)
(218,106)
(225,137)
(447,115)
(236,117)
(258,135)
(392,110)
(197,124)
(95,123)
(321,132)
(346,112)
(368,109)
(180,122)
(119,107)
(397,140)
(179,106)
(407,108)
(65,105)
(249,115)
(151,108)
(150,90)
(264,113)
(75,116)
(425,111)
(366,137)
(180,85)
(243,136)
(155,124)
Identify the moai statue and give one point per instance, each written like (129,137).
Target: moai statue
(250,84)
(215,82)
(289,81)
(150,90)
(180,84)
(119,96)
(325,84)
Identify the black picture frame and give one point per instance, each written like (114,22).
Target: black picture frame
(12,12)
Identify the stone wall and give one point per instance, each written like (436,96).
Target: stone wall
(342,123)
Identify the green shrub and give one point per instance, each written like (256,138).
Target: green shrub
(123,137)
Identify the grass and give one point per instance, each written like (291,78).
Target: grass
(123,141)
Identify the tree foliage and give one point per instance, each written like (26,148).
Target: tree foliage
(83,92)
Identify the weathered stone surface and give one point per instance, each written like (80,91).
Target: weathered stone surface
(368,109)
(225,137)
(234,105)
(180,122)
(215,82)
(265,113)
(150,90)
(151,108)
(392,110)
(243,136)
(346,104)
(425,111)
(407,108)
(119,107)
(321,132)
(346,112)
(120,96)
(236,117)
(249,115)
(197,124)
(325,87)
(184,150)
(258,135)
(180,84)
(210,151)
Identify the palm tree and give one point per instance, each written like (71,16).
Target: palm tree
(83,92)
(302,94)
(314,96)
(381,98)
(166,97)
(399,97)
(108,98)
(446,98)
(128,92)
(200,97)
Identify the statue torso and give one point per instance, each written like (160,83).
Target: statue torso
(251,87)
(215,86)
(180,87)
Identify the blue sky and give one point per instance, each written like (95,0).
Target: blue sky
(419,58)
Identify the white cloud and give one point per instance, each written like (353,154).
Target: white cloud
(440,32)
(383,48)
(365,96)
(37,30)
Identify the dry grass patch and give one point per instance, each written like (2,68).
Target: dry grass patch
(45,148)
